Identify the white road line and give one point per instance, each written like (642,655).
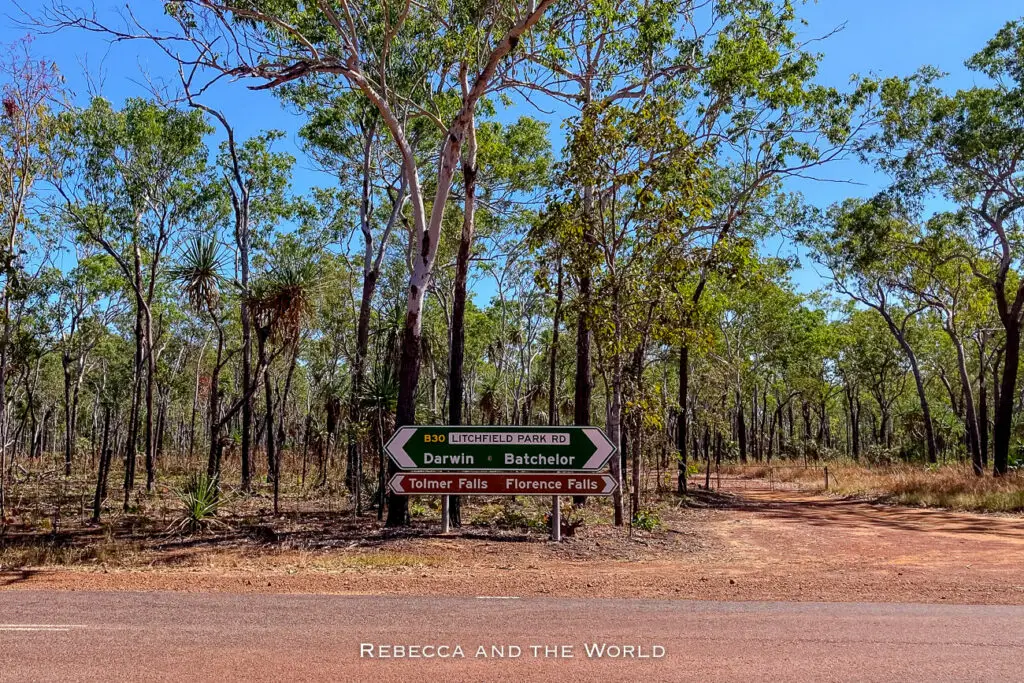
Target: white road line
(38,627)
(497,597)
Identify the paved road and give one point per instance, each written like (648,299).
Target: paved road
(179,636)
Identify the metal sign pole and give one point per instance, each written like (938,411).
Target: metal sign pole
(556,520)
(445,517)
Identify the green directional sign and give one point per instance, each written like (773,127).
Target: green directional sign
(500,449)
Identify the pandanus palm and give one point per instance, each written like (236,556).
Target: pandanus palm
(380,397)
(280,302)
(282,299)
(198,275)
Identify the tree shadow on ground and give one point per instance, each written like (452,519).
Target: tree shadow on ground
(857,514)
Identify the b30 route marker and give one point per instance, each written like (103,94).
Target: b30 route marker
(455,484)
(500,449)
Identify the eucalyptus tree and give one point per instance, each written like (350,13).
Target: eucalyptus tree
(968,148)
(128,183)
(87,300)
(28,89)
(647,185)
(864,246)
(345,136)
(464,52)
(743,82)
(938,276)
(591,56)
(870,357)
(255,179)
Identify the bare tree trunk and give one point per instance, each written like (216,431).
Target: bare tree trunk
(556,324)
(741,427)
(970,412)
(637,454)
(929,430)
(242,240)
(282,416)
(133,419)
(150,386)
(3,408)
(458,334)
(583,390)
(854,409)
(68,427)
(268,423)
(1004,403)
(681,424)
(104,468)
(982,408)
(615,435)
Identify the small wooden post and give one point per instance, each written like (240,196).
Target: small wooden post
(556,520)
(826,477)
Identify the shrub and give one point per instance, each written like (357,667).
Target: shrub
(200,502)
(419,510)
(647,520)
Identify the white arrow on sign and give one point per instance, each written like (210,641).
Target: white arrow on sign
(605,448)
(609,484)
(396,447)
(396,483)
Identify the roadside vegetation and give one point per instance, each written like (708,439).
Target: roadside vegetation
(951,487)
(205,334)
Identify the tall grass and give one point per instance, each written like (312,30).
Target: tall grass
(952,486)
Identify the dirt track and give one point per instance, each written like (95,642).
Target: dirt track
(765,546)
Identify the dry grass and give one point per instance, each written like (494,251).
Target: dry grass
(387,560)
(105,552)
(950,486)
(779,470)
(954,487)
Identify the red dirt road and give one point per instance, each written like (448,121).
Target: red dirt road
(48,636)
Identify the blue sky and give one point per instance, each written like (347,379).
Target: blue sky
(886,37)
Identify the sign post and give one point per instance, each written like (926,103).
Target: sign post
(556,520)
(445,514)
(501,461)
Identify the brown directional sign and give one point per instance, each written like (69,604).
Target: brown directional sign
(525,484)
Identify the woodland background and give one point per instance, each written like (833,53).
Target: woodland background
(175,313)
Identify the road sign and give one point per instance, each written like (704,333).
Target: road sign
(531,484)
(500,449)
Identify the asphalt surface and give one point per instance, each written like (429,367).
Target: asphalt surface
(179,636)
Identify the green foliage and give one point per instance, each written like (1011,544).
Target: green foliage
(199,500)
(418,509)
(685,126)
(198,273)
(646,520)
